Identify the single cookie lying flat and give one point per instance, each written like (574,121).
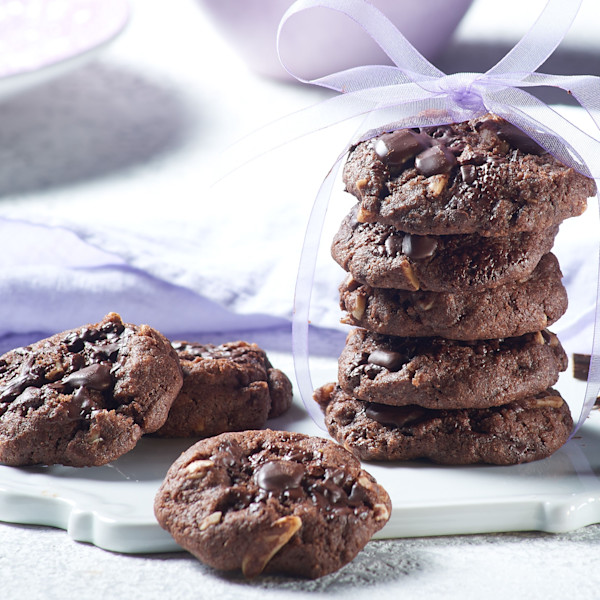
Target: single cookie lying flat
(384,257)
(509,310)
(230,387)
(445,374)
(85,396)
(480,176)
(522,431)
(271,501)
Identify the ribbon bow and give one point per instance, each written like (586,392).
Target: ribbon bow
(415,93)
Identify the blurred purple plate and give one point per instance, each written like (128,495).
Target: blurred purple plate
(40,39)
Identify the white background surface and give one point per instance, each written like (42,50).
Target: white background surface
(154,108)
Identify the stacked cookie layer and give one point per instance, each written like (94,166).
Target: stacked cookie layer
(452,286)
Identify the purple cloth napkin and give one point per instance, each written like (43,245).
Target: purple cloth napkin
(50,280)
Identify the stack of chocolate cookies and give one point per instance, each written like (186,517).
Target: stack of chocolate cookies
(451,287)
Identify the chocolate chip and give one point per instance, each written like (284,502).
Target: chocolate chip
(393,245)
(279,475)
(85,403)
(512,135)
(418,246)
(73,342)
(111,329)
(397,147)
(388,359)
(29,398)
(581,366)
(434,161)
(394,416)
(518,139)
(30,376)
(106,351)
(96,377)
(358,495)
(468,173)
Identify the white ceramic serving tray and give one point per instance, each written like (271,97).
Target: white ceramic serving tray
(111,506)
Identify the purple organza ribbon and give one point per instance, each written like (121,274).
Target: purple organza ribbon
(415,93)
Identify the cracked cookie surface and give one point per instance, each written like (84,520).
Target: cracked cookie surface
(85,396)
(481,176)
(446,374)
(522,431)
(229,387)
(271,502)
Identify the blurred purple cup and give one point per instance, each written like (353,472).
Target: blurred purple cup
(321,41)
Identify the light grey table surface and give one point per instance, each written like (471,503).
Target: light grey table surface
(154,65)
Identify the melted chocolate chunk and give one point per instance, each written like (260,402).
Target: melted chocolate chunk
(434,161)
(518,139)
(581,366)
(388,359)
(468,173)
(83,398)
(329,491)
(397,147)
(29,376)
(102,341)
(109,351)
(74,342)
(96,376)
(29,398)
(418,246)
(393,245)
(279,475)
(358,495)
(394,416)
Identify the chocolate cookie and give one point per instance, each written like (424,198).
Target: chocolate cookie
(85,396)
(445,374)
(480,176)
(509,310)
(522,431)
(230,387)
(384,257)
(271,502)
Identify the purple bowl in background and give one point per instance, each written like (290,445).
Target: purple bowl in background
(320,41)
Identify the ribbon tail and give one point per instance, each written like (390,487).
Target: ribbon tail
(584,88)
(303,293)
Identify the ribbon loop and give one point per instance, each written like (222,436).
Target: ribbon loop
(380,88)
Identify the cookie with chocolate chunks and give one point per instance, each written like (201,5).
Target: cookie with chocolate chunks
(445,374)
(384,257)
(509,310)
(85,396)
(271,502)
(481,176)
(522,431)
(229,387)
